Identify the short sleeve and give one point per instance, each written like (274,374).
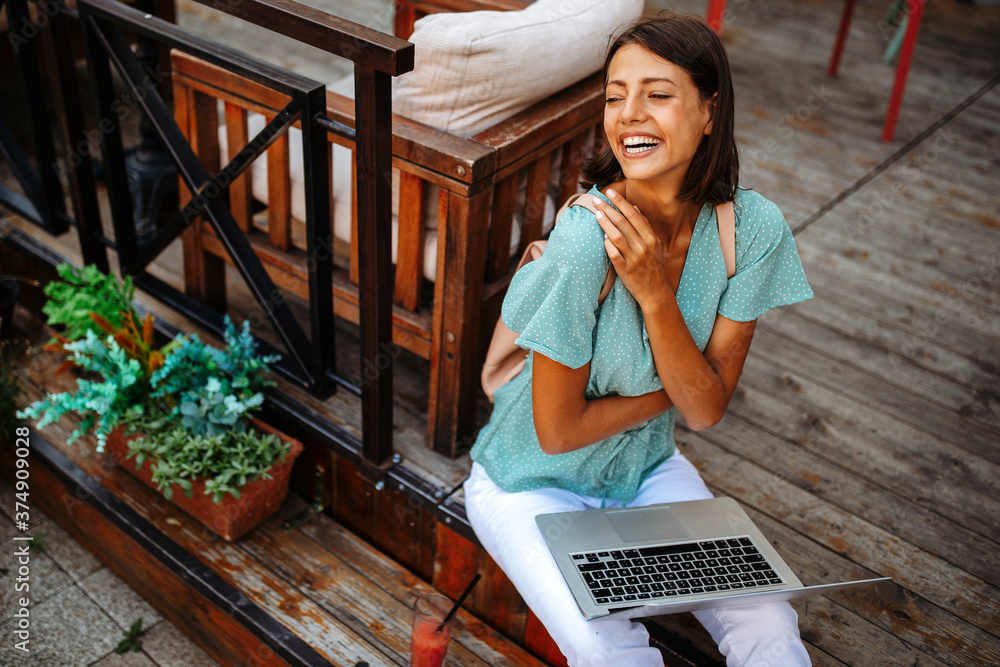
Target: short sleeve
(552,301)
(768,269)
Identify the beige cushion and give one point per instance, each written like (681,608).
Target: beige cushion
(474,69)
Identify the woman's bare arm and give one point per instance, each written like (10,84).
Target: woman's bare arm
(566,420)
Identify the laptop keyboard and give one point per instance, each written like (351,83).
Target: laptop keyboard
(672,570)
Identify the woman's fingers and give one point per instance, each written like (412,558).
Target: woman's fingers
(630,212)
(616,226)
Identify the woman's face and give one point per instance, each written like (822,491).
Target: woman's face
(654,116)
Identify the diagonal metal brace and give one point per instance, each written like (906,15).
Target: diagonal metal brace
(216,186)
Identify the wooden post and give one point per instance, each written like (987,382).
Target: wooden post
(458,292)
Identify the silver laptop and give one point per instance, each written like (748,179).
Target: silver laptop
(664,559)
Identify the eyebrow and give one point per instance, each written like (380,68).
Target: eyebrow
(645,81)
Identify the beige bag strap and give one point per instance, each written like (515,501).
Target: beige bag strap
(726,217)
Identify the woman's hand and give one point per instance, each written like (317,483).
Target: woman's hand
(633,248)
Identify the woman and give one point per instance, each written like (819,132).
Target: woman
(589,422)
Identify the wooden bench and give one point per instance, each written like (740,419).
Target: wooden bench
(476,181)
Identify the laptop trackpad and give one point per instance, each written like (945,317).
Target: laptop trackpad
(638,524)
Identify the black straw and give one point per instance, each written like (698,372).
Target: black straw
(461,599)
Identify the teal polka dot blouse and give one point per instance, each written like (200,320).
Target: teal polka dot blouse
(552,304)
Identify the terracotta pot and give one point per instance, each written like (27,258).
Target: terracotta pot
(232,517)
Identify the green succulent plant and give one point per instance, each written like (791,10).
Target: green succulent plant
(227,461)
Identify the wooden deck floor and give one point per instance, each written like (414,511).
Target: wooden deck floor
(865,435)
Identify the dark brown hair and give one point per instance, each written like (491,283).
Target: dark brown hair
(688,42)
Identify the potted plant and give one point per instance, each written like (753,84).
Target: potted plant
(179,415)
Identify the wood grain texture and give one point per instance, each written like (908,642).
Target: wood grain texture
(410,244)
(240,196)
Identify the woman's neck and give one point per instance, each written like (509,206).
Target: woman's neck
(671,218)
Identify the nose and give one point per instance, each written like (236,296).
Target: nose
(633,109)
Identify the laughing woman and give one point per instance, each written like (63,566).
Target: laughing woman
(590,421)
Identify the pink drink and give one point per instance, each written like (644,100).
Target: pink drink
(428,647)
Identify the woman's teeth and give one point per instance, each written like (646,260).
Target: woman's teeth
(639,144)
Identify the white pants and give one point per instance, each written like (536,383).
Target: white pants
(758,635)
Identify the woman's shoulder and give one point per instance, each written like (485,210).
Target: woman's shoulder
(577,233)
(757,216)
(751,208)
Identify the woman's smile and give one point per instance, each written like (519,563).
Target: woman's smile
(639,145)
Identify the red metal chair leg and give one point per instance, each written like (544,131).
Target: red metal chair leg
(716,11)
(903,68)
(842,30)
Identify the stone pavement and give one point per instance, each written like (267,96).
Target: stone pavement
(79,608)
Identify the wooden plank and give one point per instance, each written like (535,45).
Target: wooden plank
(569,175)
(538,641)
(534,201)
(223,84)
(501,221)
(240,195)
(936,278)
(855,293)
(528,132)
(191,238)
(456,562)
(897,343)
(953,435)
(404,529)
(910,294)
(355,266)
(455,335)
(974,403)
(203,127)
(279,192)
(410,242)
(497,601)
(355,505)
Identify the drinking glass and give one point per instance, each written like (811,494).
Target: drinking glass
(428,645)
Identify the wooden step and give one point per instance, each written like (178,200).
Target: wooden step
(315,595)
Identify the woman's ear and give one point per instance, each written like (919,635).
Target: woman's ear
(711,102)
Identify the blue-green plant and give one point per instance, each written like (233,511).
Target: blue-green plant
(211,410)
(123,396)
(213,390)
